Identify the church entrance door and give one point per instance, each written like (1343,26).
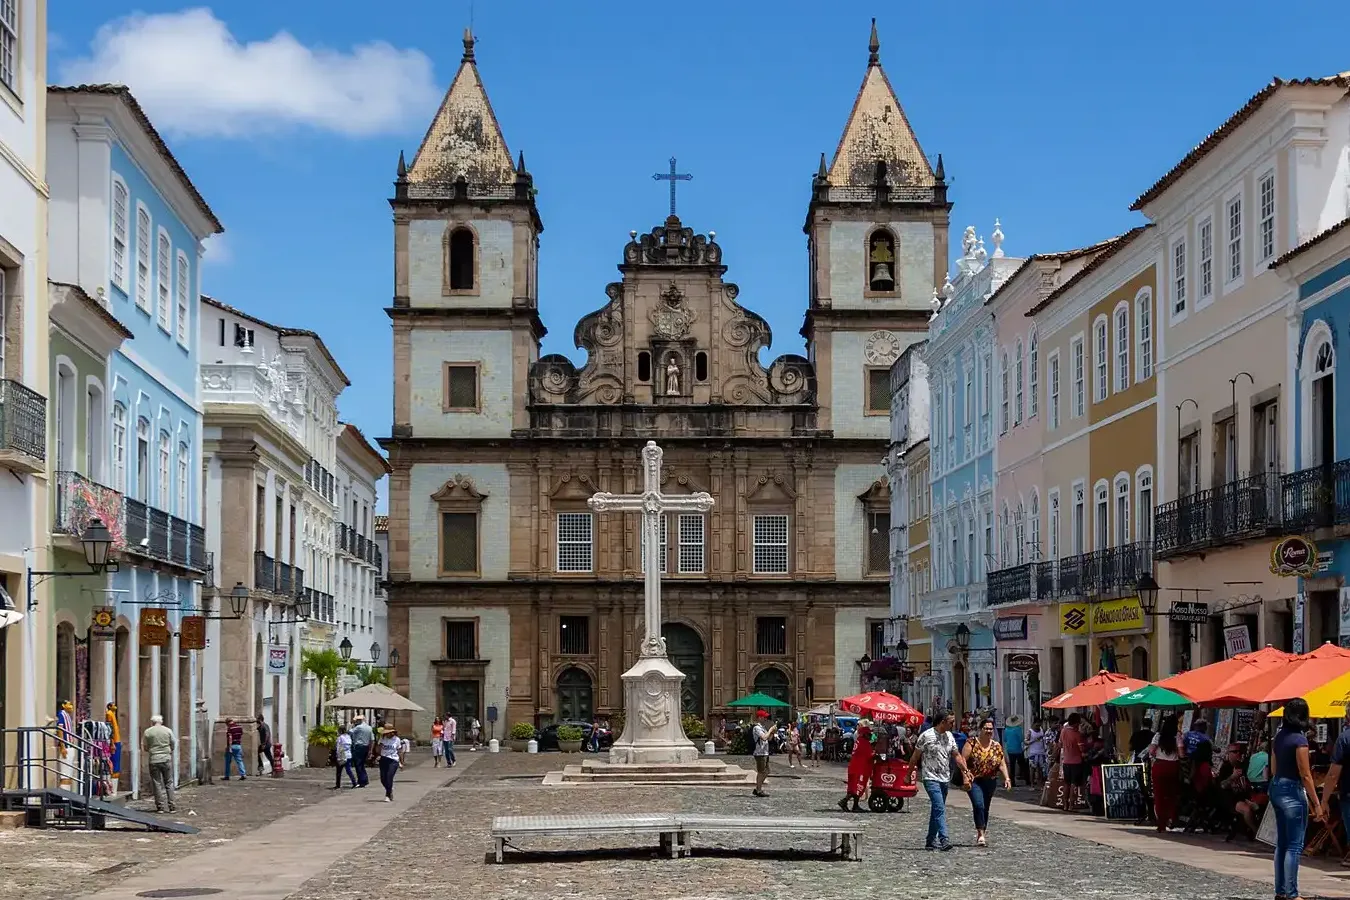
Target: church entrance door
(685,649)
(460,699)
(574,701)
(773,682)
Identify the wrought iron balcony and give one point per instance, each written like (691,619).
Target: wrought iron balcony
(179,550)
(78,500)
(1046,581)
(1245,509)
(159,534)
(1011,585)
(1318,497)
(285,584)
(1115,570)
(1070,580)
(23,427)
(137,526)
(197,553)
(264,572)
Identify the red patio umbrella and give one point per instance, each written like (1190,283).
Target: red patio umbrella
(1096,690)
(1298,676)
(882,707)
(1211,683)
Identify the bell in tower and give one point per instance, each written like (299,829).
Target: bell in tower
(881,262)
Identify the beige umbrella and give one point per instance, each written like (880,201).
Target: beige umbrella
(375,696)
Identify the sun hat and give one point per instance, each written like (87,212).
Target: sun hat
(1014,720)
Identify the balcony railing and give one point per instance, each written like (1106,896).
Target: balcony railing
(1012,585)
(1114,570)
(79,500)
(1318,497)
(319,478)
(1244,509)
(264,572)
(23,420)
(197,553)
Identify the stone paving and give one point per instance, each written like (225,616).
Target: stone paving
(439,848)
(45,864)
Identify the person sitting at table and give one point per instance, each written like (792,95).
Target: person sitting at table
(1253,807)
(1338,778)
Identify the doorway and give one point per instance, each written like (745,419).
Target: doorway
(460,700)
(574,696)
(773,682)
(959,690)
(685,649)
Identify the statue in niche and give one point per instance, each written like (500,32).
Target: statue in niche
(672,376)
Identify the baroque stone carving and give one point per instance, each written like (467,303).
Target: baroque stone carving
(672,244)
(671,318)
(882,348)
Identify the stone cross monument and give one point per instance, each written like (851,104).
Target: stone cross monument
(652,732)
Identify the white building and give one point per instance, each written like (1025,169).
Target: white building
(270,436)
(25,622)
(381,592)
(359,561)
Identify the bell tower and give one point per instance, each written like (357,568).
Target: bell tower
(876,229)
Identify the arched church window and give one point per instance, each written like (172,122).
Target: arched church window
(644,366)
(461,260)
(700,366)
(881,261)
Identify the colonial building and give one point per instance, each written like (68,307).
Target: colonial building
(271,427)
(127,227)
(359,559)
(1240,362)
(509,600)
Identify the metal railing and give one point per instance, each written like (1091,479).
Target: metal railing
(285,583)
(1011,585)
(197,553)
(264,572)
(80,499)
(47,760)
(1248,508)
(23,419)
(1318,497)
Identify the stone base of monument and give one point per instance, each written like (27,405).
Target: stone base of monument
(653,748)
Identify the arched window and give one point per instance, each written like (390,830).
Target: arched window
(1143,487)
(1101,352)
(1319,390)
(1005,537)
(1102,517)
(164,272)
(181,510)
(462,264)
(1017,385)
(1020,534)
(1034,539)
(64,409)
(1143,365)
(1033,376)
(1003,390)
(119,230)
(95,452)
(881,261)
(1122,317)
(165,487)
(143,459)
(142,257)
(701,366)
(1122,513)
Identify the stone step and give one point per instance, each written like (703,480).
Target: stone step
(659,777)
(703,765)
(11,820)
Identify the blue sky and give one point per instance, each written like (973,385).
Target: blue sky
(289,117)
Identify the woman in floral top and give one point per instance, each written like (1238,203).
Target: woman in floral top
(986,761)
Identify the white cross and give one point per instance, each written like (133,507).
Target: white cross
(653,505)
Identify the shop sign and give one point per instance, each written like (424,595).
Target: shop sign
(154,627)
(1125,614)
(1300,621)
(1010,628)
(103,623)
(278,659)
(1237,639)
(192,633)
(1294,555)
(1023,662)
(1190,612)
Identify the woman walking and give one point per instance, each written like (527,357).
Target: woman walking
(343,758)
(817,732)
(437,742)
(794,746)
(1165,751)
(859,767)
(1292,794)
(985,760)
(391,757)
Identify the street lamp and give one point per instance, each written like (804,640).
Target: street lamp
(902,651)
(963,637)
(97,541)
(864,662)
(393,658)
(345,649)
(1148,593)
(375,651)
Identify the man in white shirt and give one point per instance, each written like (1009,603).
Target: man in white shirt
(762,735)
(934,753)
(450,731)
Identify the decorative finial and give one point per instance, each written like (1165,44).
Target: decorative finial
(520,164)
(468,46)
(632,235)
(823,172)
(402,166)
(998,240)
(947,288)
(936,302)
(874,47)
(941,173)
(981,254)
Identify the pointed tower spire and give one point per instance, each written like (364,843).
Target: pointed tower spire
(464,140)
(877,131)
(823,172)
(520,165)
(402,166)
(941,173)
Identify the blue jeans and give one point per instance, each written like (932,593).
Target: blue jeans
(937,811)
(236,755)
(981,796)
(1290,803)
(449,749)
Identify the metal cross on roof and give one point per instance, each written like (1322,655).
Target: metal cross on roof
(673,177)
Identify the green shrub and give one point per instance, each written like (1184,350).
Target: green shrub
(570,733)
(740,743)
(323,735)
(694,728)
(616,721)
(522,731)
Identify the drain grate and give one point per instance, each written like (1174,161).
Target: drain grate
(181,892)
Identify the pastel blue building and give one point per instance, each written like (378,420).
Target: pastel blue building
(126,229)
(961,340)
(1316,488)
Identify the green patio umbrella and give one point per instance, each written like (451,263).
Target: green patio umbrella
(755,701)
(1152,696)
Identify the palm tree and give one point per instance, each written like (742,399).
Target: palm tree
(325,665)
(372,675)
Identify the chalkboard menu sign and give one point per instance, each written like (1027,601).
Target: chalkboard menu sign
(1243,722)
(1123,792)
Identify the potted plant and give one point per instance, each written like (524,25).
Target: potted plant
(322,740)
(694,728)
(569,738)
(518,739)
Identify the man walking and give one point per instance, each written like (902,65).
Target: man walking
(762,736)
(362,735)
(158,743)
(265,745)
(934,753)
(234,747)
(1013,745)
(450,731)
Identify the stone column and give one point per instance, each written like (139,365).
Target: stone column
(238,462)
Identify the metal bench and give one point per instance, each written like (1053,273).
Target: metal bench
(673,829)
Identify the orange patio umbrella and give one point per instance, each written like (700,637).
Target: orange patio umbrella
(1210,683)
(1300,675)
(1096,691)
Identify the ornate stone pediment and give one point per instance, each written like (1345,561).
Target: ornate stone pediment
(672,244)
(459,490)
(671,318)
(681,483)
(878,494)
(573,486)
(771,487)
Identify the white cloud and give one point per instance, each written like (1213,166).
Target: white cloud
(195,78)
(216,250)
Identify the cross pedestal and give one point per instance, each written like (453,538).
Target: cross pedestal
(652,730)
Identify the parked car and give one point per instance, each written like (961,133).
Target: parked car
(548,735)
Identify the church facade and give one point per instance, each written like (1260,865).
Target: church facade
(510,600)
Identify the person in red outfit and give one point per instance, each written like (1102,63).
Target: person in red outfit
(1165,752)
(859,766)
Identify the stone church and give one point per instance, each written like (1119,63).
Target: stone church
(509,599)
